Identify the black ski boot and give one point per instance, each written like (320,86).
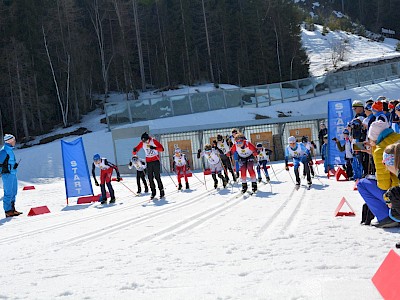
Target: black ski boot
(267,179)
(187,185)
(179,186)
(225,182)
(215,184)
(244,187)
(138,191)
(103,200)
(112,200)
(162,193)
(297,185)
(259,179)
(153,194)
(254,186)
(146,189)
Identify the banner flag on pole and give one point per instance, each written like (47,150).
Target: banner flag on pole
(339,114)
(76,172)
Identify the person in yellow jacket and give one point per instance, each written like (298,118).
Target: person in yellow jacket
(372,190)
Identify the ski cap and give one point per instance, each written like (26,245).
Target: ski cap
(134,157)
(357,103)
(178,150)
(207,147)
(346,131)
(259,145)
(304,139)
(96,157)
(219,137)
(145,136)
(291,139)
(8,137)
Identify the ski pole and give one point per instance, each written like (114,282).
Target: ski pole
(128,188)
(291,178)
(167,171)
(274,172)
(198,179)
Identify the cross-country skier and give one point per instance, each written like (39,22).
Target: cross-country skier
(235,132)
(262,160)
(106,170)
(300,154)
(180,165)
(212,157)
(140,166)
(310,148)
(246,155)
(225,155)
(151,148)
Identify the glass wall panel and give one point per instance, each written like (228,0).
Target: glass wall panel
(216,100)
(261,92)
(379,73)
(233,98)
(364,76)
(140,110)
(350,79)
(160,108)
(181,105)
(199,102)
(289,91)
(117,113)
(392,70)
(275,93)
(335,82)
(321,87)
(306,88)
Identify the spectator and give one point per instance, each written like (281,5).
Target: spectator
(348,152)
(372,190)
(322,132)
(9,167)
(358,108)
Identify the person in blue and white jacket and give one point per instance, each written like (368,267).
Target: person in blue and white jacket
(347,148)
(300,154)
(9,167)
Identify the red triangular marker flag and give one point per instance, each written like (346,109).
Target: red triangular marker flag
(344,214)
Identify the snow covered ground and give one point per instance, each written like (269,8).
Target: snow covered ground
(359,49)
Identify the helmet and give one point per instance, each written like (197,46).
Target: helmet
(291,139)
(304,139)
(178,150)
(259,145)
(207,147)
(96,157)
(145,136)
(135,158)
(219,137)
(346,131)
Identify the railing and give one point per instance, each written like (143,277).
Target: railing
(264,95)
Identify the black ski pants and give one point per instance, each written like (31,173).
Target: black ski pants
(153,171)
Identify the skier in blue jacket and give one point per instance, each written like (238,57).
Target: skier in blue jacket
(9,175)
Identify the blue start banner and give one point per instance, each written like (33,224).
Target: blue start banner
(76,172)
(339,114)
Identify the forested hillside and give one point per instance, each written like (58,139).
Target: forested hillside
(54,54)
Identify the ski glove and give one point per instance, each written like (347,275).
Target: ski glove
(287,168)
(134,150)
(118,179)
(15,166)
(96,183)
(152,147)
